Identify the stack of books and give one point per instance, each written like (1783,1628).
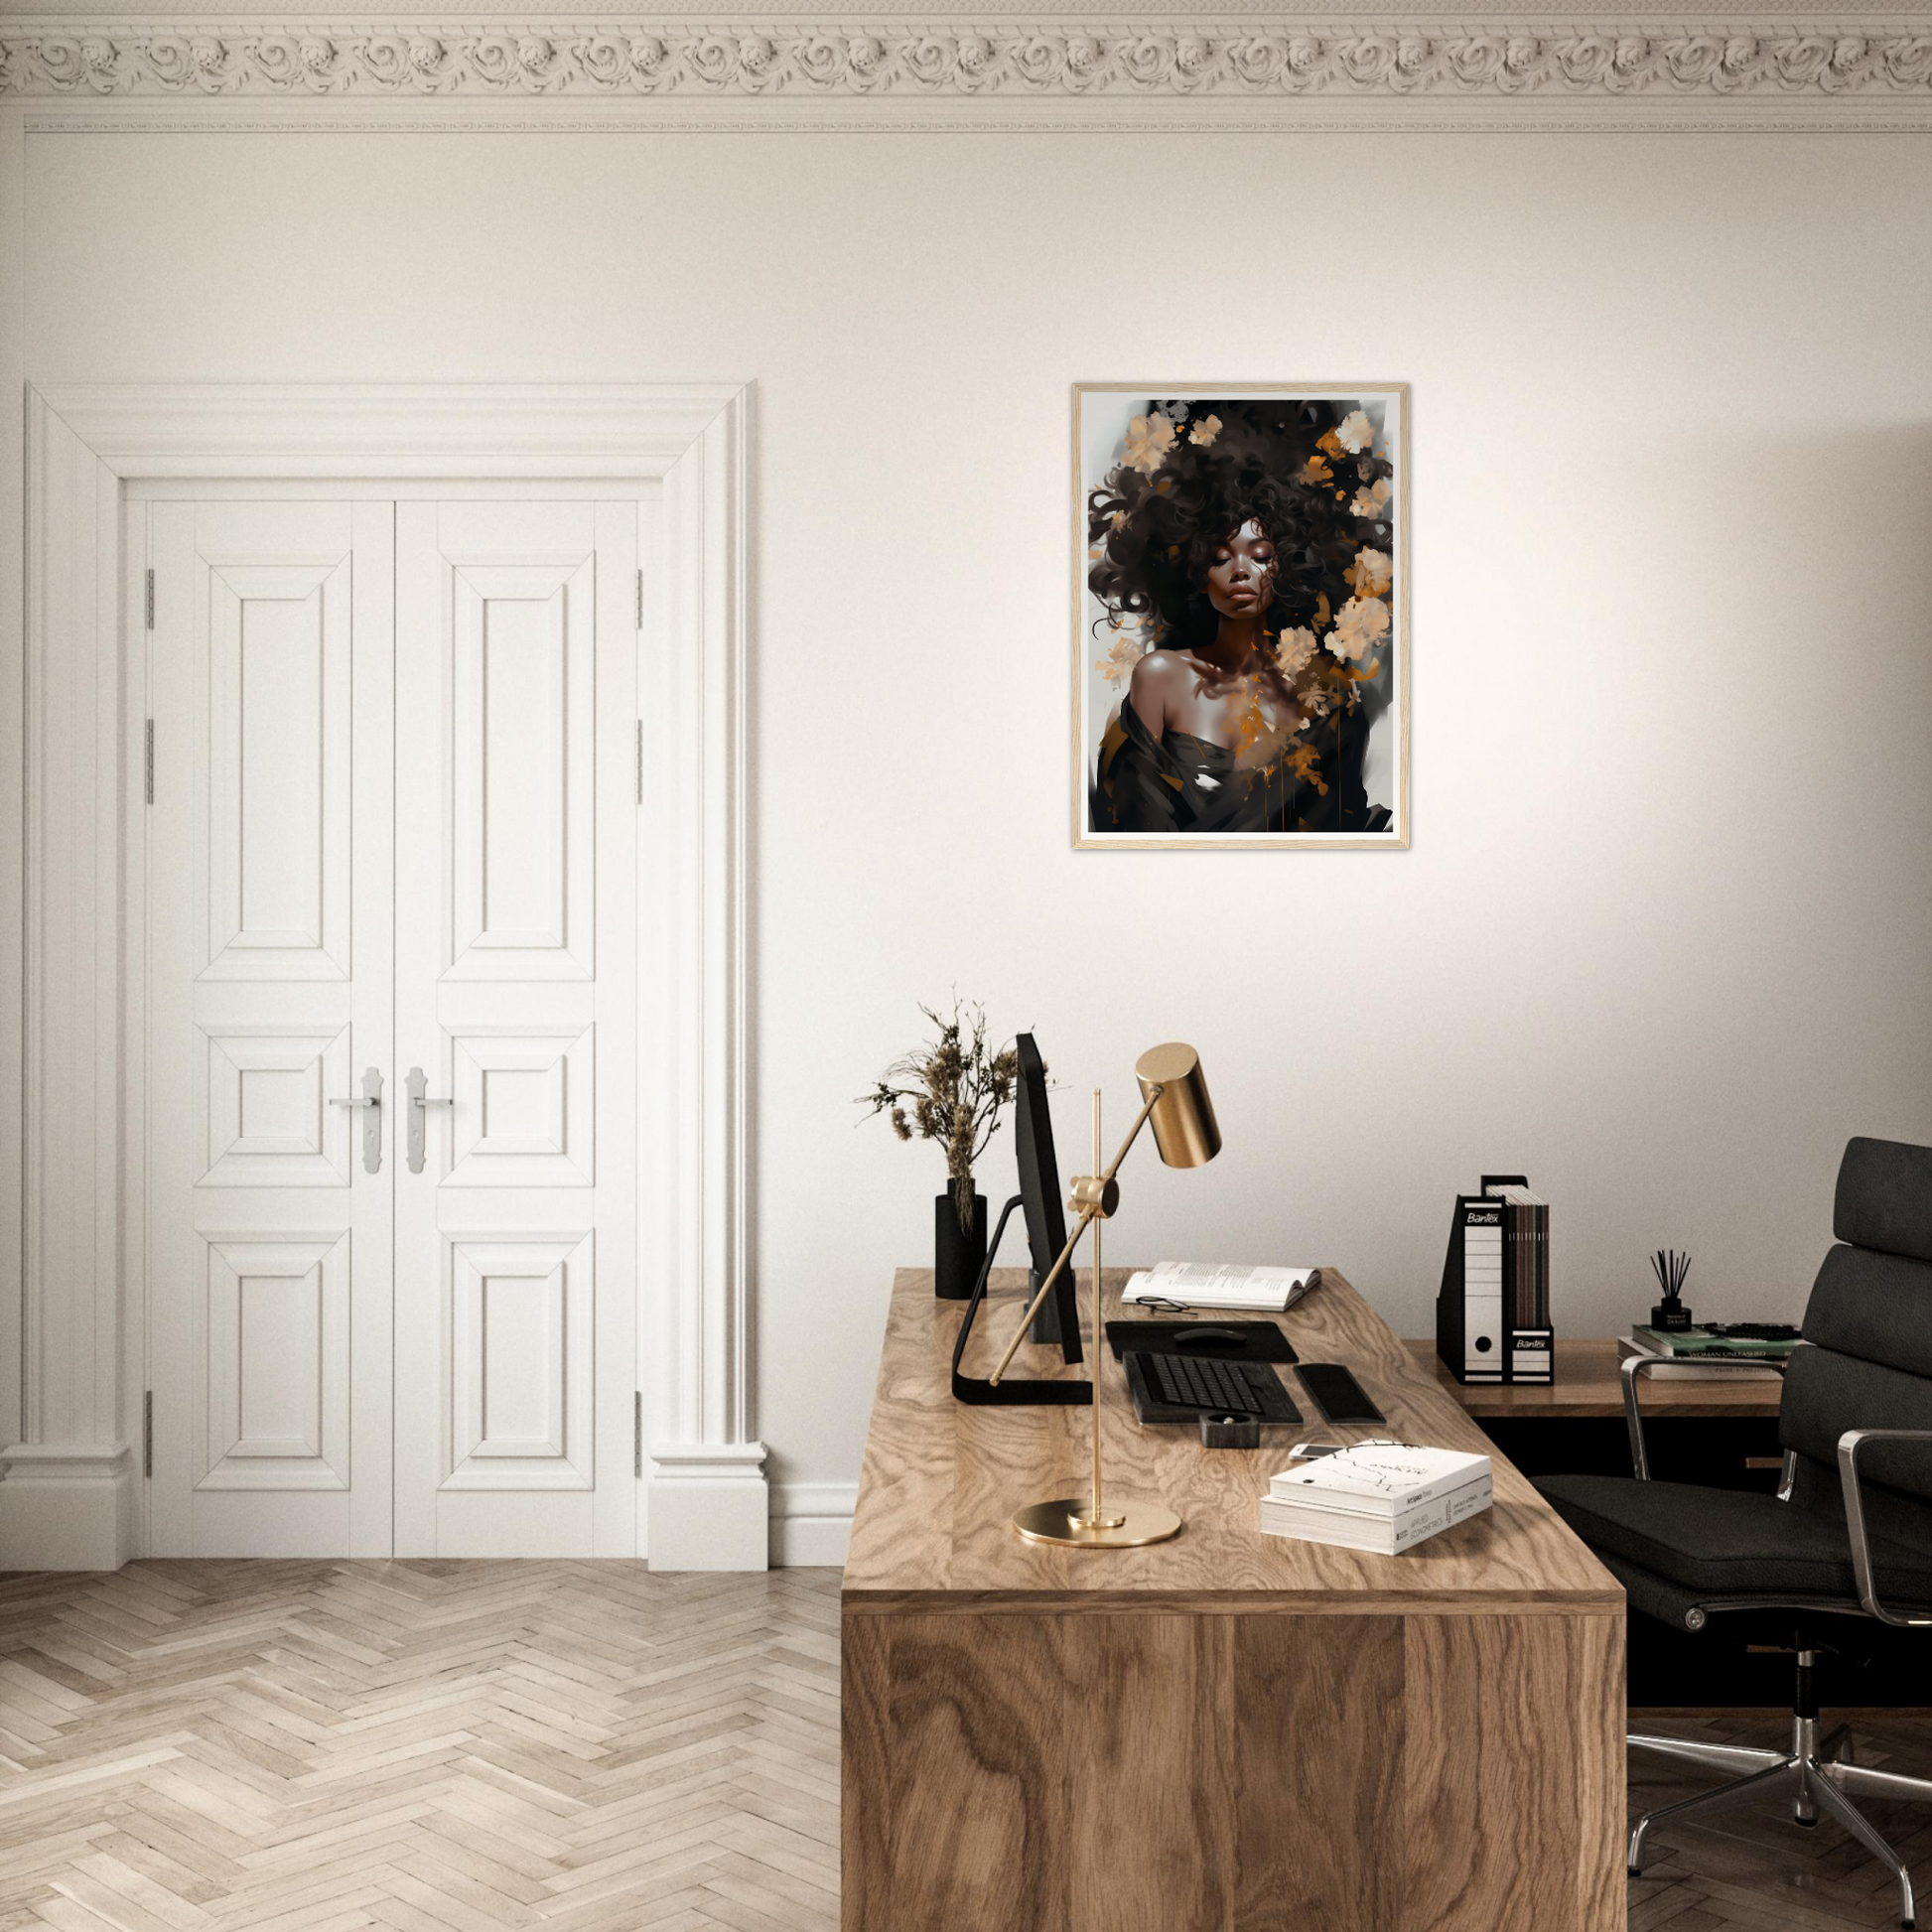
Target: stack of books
(1526,1258)
(1688,1353)
(1385,1497)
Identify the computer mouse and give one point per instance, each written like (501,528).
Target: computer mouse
(1207,1337)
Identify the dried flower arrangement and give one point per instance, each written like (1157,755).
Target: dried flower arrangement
(950,1092)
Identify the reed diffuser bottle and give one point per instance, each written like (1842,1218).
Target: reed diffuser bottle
(1670,1314)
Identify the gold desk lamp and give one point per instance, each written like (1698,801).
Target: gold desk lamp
(1174,1099)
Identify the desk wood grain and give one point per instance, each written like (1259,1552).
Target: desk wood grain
(1228,1732)
(1588,1386)
(941,1480)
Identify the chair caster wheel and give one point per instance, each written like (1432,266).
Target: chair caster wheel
(1633,1871)
(1807,1823)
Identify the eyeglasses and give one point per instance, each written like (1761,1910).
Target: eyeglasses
(1161,1305)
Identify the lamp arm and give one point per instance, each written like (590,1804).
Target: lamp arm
(1088,1215)
(1133,1133)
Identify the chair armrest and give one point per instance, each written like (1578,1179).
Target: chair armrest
(1849,1446)
(1635,1365)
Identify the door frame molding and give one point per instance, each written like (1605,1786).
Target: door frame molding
(70,1400)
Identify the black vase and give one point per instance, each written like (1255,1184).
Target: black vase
(957,1258)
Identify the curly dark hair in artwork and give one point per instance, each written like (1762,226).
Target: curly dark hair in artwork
(1277,463)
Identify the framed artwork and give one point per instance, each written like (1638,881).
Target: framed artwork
(1241,630)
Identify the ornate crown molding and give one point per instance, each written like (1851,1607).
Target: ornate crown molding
(1243,62)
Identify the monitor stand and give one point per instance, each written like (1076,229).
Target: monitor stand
(1013,1391)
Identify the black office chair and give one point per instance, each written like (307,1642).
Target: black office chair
(1848,1535)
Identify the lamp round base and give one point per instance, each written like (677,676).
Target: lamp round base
(1062,1520)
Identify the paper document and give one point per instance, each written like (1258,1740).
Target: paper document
(1213,1284)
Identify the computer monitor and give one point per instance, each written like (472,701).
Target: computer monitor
(1039,1198)
(1040,1194)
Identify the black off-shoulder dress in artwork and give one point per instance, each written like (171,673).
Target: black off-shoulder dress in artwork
(1184,786)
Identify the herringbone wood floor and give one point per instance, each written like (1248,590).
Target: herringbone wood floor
(568,1747)
(322,1747)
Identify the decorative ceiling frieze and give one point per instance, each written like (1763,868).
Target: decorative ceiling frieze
(1252,62)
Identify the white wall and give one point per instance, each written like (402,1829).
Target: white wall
(1661,942)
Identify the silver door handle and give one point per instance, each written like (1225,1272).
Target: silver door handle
(372,1098)
(417,1081)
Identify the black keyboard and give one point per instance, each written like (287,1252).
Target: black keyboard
(1207,1387)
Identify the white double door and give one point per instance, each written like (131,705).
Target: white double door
(390,859)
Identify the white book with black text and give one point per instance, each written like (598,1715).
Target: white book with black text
(1378,1478)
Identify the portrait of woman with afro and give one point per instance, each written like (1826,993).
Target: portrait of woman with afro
(1241,555)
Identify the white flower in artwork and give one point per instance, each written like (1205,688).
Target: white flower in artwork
(1148,439)
(1355,432)
(1373,500)
(1372,572)
(1205,782)
(1360,625)
(1205,432)
(1294,650)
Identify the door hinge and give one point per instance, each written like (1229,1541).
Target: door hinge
(638,1434)
(147,1434)
(150,599)
(640,596)
(641,761)
(148,762)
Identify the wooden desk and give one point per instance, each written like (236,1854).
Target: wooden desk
(1719,1434)
(1588,1385)
(1228,1732)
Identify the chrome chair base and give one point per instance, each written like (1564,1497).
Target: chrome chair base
(1818,1776)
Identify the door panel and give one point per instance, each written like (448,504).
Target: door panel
(521,771)
(521,1331)
(524,1107)
(270,993)
(278,792)
(515,1242)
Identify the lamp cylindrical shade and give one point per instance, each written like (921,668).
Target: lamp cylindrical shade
(1184,1128)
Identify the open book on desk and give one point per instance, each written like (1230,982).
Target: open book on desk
(1210,1284)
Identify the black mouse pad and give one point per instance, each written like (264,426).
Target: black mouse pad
(1217,1341)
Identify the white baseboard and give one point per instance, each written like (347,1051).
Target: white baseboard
(812,1523)
(73,1508)
(66,1507)
(710,1507)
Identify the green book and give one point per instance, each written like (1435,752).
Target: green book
(1701,1341)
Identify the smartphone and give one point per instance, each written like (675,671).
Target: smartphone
(1337,1393)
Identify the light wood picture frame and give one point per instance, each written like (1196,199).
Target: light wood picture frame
(1241,638)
